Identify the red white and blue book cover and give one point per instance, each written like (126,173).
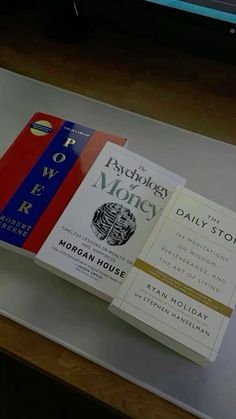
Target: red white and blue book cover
(39,174)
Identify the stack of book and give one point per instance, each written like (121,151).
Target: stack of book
(124,229)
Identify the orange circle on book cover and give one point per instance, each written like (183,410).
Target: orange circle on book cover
(40,128)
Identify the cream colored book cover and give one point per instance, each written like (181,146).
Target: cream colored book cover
(181,289)
(108,220)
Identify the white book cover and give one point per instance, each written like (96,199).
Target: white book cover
(181,289)
(108,220)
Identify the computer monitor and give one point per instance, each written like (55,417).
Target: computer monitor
(202,27)
(224,10)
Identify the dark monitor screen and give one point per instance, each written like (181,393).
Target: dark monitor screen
(224,10)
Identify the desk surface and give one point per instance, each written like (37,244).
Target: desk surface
(81,322)
(207,105)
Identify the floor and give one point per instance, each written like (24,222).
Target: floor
(27,394)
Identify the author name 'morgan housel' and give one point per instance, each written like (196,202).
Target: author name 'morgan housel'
(84,254)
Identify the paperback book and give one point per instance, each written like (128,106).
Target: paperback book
(181,288)
(39,174)
(108,220)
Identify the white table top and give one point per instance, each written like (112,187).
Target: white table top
(81,322)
